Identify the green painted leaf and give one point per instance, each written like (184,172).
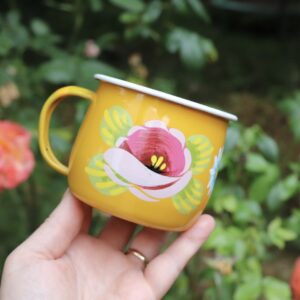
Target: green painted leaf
(201,150)
(115,124)
(190,198)
(99,178)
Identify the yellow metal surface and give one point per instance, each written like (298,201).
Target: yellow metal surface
(142,108)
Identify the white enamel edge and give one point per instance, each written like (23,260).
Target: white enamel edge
(169,97)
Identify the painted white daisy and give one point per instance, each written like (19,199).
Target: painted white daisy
(214,171)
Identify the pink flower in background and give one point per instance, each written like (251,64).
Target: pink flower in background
(295,280)
(153,161)
(91,49)
(16,158)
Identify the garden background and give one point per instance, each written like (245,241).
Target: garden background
(240,56)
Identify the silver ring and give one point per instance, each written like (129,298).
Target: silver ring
(138,255)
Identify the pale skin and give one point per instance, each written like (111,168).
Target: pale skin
(60,260)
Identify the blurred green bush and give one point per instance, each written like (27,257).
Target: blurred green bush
(52,43)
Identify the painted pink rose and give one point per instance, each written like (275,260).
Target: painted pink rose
(153,161)
(16,158)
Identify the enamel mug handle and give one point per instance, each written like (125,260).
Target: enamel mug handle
(44,122)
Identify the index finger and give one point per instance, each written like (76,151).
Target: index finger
(163,270)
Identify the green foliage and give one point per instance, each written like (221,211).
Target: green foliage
(193,49)
(291,106)
(249,197)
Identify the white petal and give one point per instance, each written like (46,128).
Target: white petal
(156,124)
(178,135)
(113,177)
(188,160)
(130,168)
(171,190)
(138,193)
(120,141)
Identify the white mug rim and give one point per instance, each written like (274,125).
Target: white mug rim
(166,96)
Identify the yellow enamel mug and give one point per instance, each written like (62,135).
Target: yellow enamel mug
(141,155)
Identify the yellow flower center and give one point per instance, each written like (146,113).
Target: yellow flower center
(157,162)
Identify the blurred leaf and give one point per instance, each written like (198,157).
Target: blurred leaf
(261,185)
(164,84)
(283,191)
(240,249)
(268,147)
(275,289)
(291,107)
(225,203)
(248,291)
(251,136)
(133,5)
(61,140)
(194,50)
(143,31)
(96,5)
(59,70)
(293,221)
(199,9)
(223,289)
(129,17)
(6,44)
(250,269)
(152,12)
(39,27)
(232,138)
(295,167)
(247,212)
(180,6)
(88,68)
(224,240)
(279,235)
(108,40)
(210,293)
(256,163)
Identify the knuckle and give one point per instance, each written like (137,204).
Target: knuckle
(11,259)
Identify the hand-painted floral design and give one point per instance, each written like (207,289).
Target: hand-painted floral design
(16,158)
(214,171)
(151,161)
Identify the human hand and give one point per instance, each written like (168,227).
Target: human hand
(60,260)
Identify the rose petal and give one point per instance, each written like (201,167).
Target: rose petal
(127,166)
(179,135)
(156,124)
(120,141)
(171,190)
(188,160)
(113,177)
(134,129)
(138,193)
(16,158)
(143,144)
